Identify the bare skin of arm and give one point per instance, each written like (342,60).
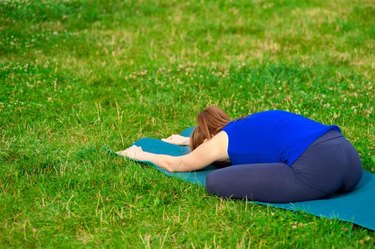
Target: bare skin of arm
(213,150)
(177,139)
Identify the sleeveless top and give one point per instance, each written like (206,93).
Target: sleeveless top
(272,137)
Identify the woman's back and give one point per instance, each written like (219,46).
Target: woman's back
(272,137)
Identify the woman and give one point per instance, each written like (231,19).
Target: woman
(275,156)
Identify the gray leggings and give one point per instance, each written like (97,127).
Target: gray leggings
(329,165)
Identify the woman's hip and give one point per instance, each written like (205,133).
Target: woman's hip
(329,164)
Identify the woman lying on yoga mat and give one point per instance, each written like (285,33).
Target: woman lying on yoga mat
(275,156)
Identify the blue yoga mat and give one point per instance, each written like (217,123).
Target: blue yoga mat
(357,206)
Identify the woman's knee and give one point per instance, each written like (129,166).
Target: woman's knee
(219,182)
(212,183)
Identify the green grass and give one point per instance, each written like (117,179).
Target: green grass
(77,75)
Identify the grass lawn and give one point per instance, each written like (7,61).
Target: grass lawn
(76,75)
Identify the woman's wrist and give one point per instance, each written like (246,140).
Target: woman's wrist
(145,156)
(186,141)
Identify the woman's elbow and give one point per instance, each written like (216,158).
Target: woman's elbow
(169,168)
(170,164)
(177,164)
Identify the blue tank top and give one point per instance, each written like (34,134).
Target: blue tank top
(272,137)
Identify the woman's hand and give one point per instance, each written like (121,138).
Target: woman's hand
(136,153)
(133,152)
(177,139)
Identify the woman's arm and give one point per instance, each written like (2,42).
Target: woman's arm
(213,150)
(177,139)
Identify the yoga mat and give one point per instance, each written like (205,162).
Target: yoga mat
(357,206)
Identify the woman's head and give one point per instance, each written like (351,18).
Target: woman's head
(210,122)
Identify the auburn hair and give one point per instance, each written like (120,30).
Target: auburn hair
(209,122)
